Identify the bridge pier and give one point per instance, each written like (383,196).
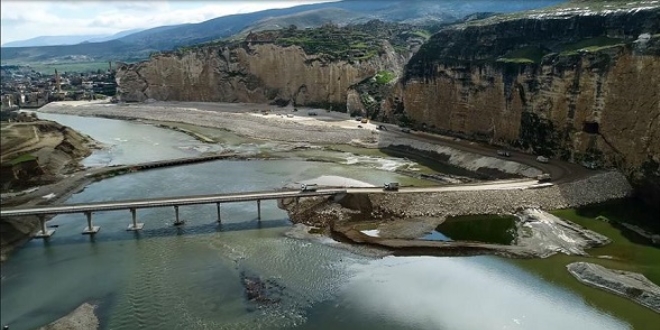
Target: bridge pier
(217,206)
(178,221)
(91,229)
(135,226)
(259,209)
(44,232)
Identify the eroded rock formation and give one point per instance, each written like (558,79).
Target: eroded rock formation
(579,86)
(278,67)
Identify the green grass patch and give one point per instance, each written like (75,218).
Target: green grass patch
(523,55)
(515,60)
(422,33)
(22,159)
(384,77)
(590,45)
(496,229)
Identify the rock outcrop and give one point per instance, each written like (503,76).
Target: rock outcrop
(304,68)
(579,85)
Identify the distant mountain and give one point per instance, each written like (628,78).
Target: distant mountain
(68,40)
(51,41)
(140,44)
(114,36)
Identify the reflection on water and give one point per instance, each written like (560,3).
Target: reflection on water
(466,293)
(496,229)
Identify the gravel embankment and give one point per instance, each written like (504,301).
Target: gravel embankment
(82,318)
(595,189)
(631,285)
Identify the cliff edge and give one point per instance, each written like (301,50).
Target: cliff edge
(581,84)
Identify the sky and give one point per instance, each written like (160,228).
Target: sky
(25,19)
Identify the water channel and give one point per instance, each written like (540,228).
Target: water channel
(190,277)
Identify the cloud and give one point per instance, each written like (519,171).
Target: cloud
(28,19)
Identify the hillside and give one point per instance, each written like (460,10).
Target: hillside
(139,45)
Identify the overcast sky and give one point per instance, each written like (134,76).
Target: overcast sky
(24,19)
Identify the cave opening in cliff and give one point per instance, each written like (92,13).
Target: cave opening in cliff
(591,127)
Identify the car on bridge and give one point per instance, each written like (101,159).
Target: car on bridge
(392,186)
(308,187)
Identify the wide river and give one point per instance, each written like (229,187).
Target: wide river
(191,277)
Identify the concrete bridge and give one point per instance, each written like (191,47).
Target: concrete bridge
(133,205)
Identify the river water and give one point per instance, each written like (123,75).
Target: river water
(190,277)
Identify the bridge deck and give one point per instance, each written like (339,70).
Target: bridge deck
(166,201)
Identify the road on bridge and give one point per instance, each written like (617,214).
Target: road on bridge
(254,196)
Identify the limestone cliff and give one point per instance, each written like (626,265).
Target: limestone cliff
(303,67)
(581,86)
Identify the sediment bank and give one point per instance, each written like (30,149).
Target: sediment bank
(631,285)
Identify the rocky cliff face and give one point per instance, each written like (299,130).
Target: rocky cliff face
(280,67)
(583,87)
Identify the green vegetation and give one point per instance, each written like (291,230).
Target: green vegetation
(628,251)
(497,229)
(384,77)
(422,33)
(77,67)
(22,159)
(523,55)
(590,45)
(350,43)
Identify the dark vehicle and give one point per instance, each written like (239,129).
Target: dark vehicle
(381,128)
(392,186)
(503,153)
(358,118)
(312,113)
(308,187)
(545,177)
(359,126)
(405,130)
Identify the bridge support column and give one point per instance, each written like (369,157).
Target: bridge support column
(258,209)
(217,206)
(91,229)
(44,232)
(135,226)
(177,221)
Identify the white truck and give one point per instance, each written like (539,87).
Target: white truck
(542,159)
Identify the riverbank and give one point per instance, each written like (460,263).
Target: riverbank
(35,154)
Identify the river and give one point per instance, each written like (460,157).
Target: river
(166,277)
